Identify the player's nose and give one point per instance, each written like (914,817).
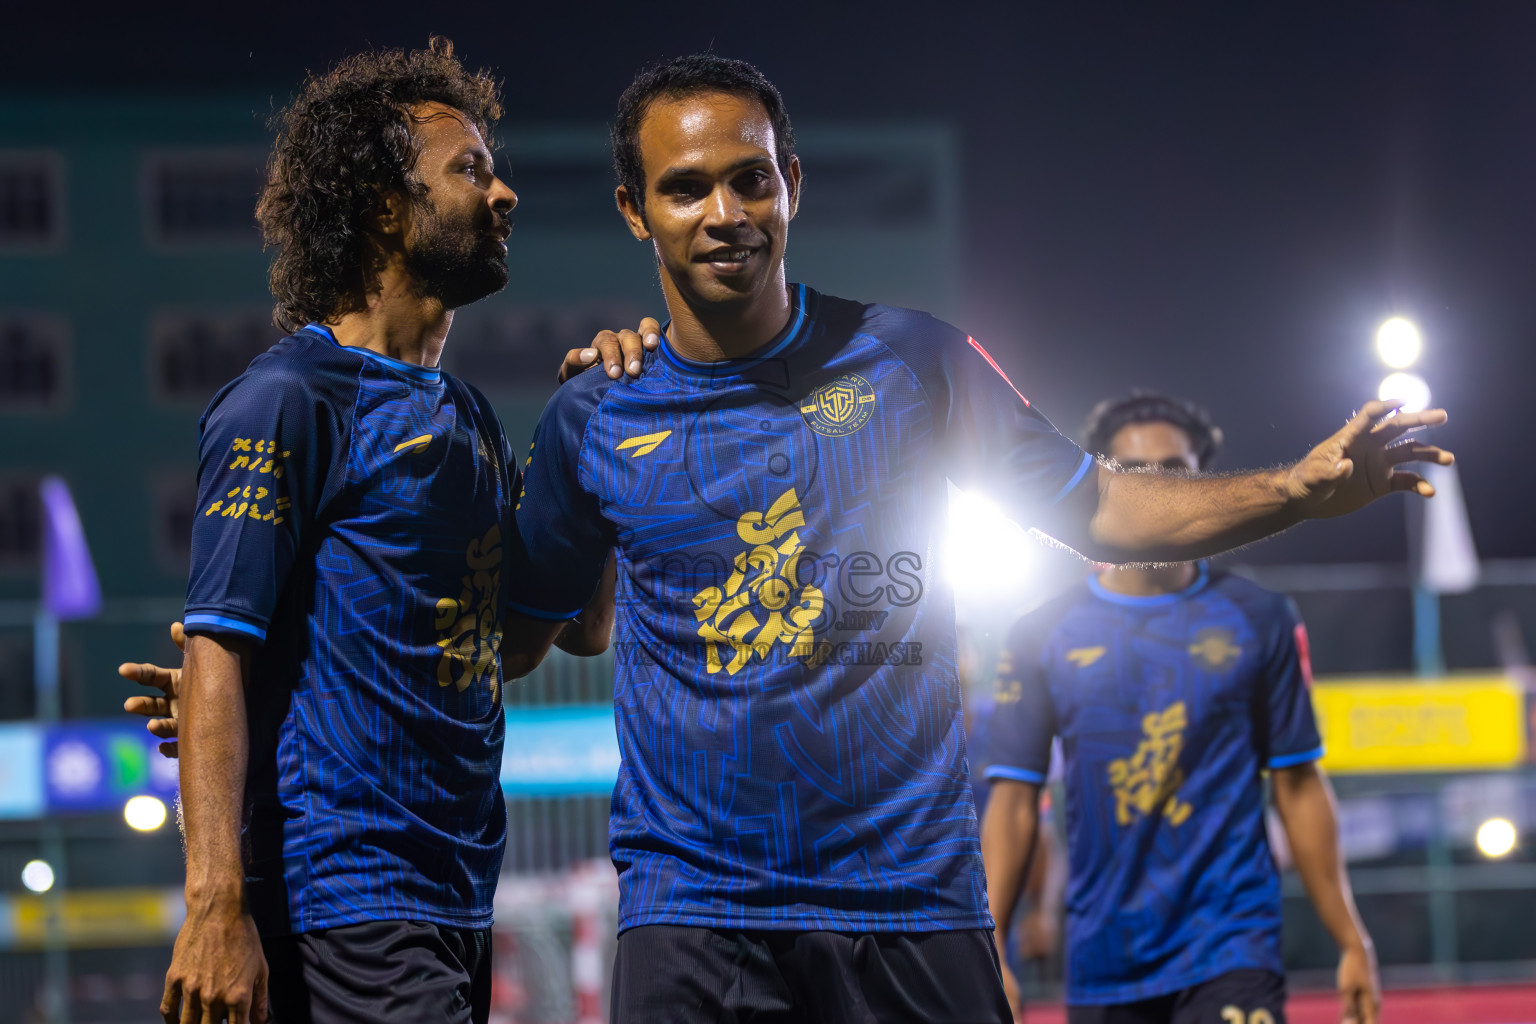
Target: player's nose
(501,197)
(723,208)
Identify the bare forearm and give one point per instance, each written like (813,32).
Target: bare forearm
(1157,517)
(214,746)
(1008,834)
(589,633)
(1305,801)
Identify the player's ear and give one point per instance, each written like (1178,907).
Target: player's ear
(390,214)
(633,215)
(794,186)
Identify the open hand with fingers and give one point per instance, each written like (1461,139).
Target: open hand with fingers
(618,352)
(160,710)
(1360,463)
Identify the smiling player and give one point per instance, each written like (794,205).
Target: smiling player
(792,824)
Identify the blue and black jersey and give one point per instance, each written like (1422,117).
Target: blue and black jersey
(352,516)
(786,699)
(1168,707)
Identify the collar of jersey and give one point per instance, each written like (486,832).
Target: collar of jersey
(423,374)
(1152,600)
(799,326)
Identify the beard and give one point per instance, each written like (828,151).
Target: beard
(456,264)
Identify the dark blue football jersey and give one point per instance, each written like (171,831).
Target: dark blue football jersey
(352,515)
(786,700)
(1168,709)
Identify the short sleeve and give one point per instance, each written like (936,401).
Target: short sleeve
(995,442)
(268,452)
(1288,728)
(563,538)
(1024,715)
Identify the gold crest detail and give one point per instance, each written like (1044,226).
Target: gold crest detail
(840,406)
(1214,649)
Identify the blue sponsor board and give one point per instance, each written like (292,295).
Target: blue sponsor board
(93,766)
(21,771)
(560,750)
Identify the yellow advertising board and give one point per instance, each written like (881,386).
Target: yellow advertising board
(98,917)
(1468,723)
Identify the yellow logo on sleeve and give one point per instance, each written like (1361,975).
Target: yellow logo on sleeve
(415,444)
(642,445)
(1150,778)
(764,582)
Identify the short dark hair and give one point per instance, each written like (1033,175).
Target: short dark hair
(342,145)
(1111,416)
(682,77)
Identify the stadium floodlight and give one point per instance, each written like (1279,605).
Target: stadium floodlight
(989,556)
(1496,837)
(144,813)
(1409,388)
(1398,343)
(37,875)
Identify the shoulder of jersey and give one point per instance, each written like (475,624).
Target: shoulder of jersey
(1248,594)
(1047,615)
(897,323)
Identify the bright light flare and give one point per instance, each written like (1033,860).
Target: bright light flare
(37,875)
(1398,343)
(144,813)
(1411,389)
(1496,837)
(989,555)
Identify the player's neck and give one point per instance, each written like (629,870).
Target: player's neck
(398,322)
(1164,579)
(711,332)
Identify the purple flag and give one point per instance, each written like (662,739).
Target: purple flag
(70,588)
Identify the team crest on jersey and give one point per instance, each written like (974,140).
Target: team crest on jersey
(765,583)
(1150,778)
(1214,649)
(840,406)
(469,626)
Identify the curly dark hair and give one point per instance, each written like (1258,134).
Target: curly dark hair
(341,147)
(681,77)
(1109,417)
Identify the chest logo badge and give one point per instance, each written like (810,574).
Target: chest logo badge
(1082,657)
(1214,649)
(415,444)
(840,406)
(642,445)
(1148,781)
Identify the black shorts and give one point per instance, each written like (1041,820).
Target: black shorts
(665,974)
(382,972)
(1237,997)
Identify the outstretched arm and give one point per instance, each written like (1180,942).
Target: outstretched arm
(1305,801)
(1154,517)
(1008,833)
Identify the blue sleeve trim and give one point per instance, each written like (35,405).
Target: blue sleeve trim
(1290,760)
(1001,771)
(224,624)
(539,613)
(1082,468)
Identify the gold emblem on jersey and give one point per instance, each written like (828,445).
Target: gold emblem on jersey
(1149,779)
(764,584)
(642,445)
(1214,649)
(1082,657)
(840,406)
(469,626)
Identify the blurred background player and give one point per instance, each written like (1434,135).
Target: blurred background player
(1173,689)
(792,823)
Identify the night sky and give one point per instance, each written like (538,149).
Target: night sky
(1220,200)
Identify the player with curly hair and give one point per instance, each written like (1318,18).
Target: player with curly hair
(340,710)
